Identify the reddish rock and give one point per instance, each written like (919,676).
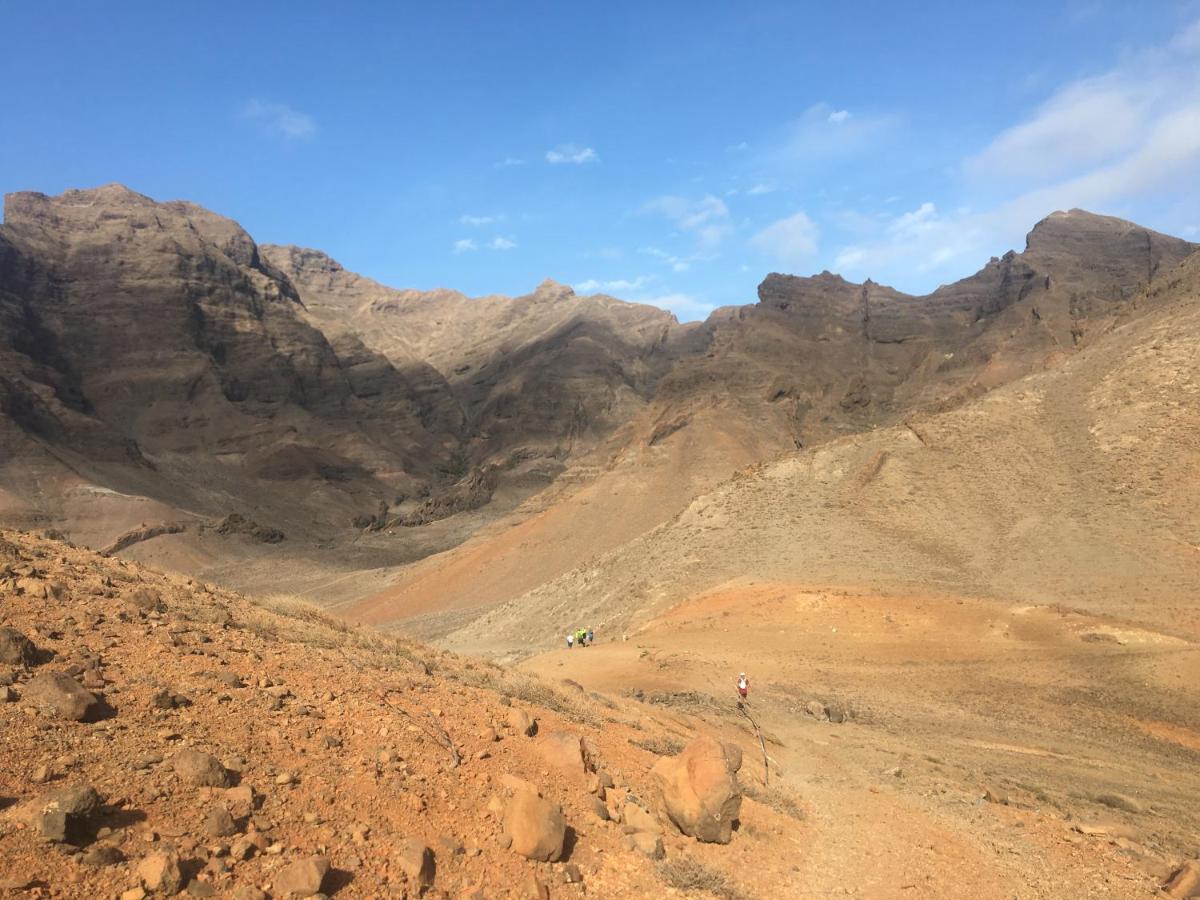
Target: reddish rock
(63,696)
(536,826)
(200,769)
(302,878)
(698,790)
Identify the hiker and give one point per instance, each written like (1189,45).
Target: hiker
(581,637)
(591,636)
(570,641)
(743,685)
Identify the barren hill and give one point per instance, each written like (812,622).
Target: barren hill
(1076,485)
(159,373)
(815,358)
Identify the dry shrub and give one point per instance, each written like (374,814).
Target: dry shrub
(531,689)
(290,618)
(662,745)
(686,874)
(777,798)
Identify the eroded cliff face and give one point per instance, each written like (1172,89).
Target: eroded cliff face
(548,370)
(156,332)
(827,356)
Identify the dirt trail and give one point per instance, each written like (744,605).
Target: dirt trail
(948,700)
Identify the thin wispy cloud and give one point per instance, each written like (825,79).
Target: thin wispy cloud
(823,133)
(739,147)
(676,262)
(509,162)
(571,153)
(468,245)
(706,218)
(478,221)
(760,189)
(1129,135)
(280,120)
(791,240)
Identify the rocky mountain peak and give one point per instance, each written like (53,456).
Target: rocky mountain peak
(554,289)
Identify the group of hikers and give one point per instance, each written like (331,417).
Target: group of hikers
(582,637)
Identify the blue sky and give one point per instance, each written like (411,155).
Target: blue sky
(665,152)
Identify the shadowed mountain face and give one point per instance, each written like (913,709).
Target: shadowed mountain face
(547,370)
(154,335)
(154,350)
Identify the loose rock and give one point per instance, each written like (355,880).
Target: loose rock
(62,696)
(302,878)
(536,826)
(200,769)
(160,874)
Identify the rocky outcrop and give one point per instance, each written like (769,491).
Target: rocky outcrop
(149,334)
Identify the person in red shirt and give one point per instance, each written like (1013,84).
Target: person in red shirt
(743,686)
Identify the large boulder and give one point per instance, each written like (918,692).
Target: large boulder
(698,789)
(62,696)
(1184,881)
(536,826)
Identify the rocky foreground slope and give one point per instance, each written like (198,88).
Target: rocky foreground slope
(163,736)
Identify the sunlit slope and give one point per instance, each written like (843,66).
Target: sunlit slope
(1078,485)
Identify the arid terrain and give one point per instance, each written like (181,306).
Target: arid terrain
(952,540)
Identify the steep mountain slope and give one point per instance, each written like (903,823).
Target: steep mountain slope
(159,371)
(815,358)
(822,356)
(547,370)
(1077,485)
(156,353)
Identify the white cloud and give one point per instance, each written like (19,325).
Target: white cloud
(1082,124)
(792,240)
(823,133)
(465,245)
(502,243)
(707,218)
(677,263)
(686,307)
(280,119)
(571,153)
(1124,139)
(624,285)
(760,189)
(478,221)
(510,161)
(737,148)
